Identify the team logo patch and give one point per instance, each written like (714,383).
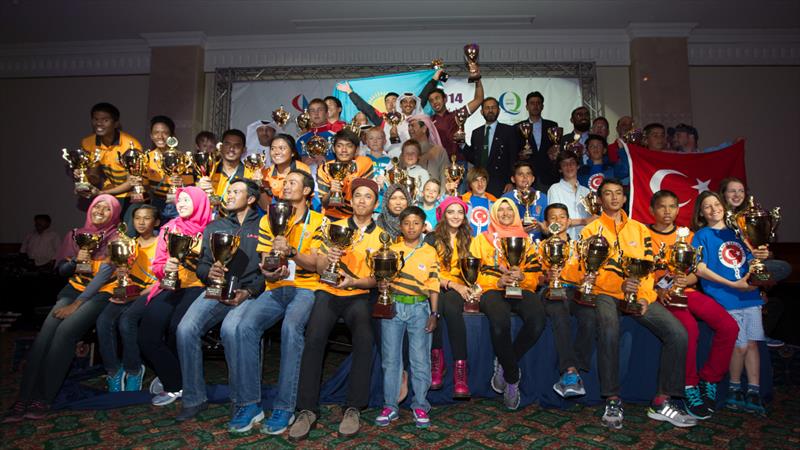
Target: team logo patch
(595,181)
(731,255)
(479,216)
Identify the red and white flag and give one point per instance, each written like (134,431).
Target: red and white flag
(685,174)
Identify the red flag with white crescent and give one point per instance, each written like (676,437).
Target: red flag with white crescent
(685,174)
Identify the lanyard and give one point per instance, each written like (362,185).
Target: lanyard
(405,260)
(228,181)
(303,232)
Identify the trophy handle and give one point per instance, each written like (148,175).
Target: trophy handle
(370,263)
(402,261)
(698,257)
(775,219)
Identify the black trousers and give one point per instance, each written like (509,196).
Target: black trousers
(579,353)
(451,306)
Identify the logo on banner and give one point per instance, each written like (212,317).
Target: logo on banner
(479,216)
(595,181)
(376,101)
(510,102)
(731,255)
(300,102)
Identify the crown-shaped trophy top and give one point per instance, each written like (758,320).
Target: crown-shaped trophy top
(172,142)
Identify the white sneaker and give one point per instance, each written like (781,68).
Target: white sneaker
(156,387)
(165,398)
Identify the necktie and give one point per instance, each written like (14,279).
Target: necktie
(486,144)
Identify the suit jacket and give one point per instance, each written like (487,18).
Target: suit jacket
(544,169)
(502,155)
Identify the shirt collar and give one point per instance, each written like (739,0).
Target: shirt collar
(370,228)
(98,142)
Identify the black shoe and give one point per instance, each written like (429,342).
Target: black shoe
(190,412)
(694,403)
(709,392)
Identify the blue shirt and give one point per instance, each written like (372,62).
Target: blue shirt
(728,257)
(378,169)
(591,175)
(478,213)
(430,216)
(536,210)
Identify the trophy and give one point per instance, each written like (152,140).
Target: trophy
(178,246)
(461,116)
(682,258)
(556,252)
(470,269)
(86,241)
(527,197)
(525,129)
(437,64)
(471,61)
(338,171)
(79,161)
(223,247)
(174,163)
(756,227)
(454,173)
(341,237)
(575,145)
(634,268)
(385,264)
(591,202)
(316,145)
(633,136)
(204,164)
(410,184)
(393,118)
(555,134)
(514,249)
(592,255)
(395,174)
(280,217)
(255,161)
(281,116)
(303,121)
(135,163)
(122,252)
(354,127)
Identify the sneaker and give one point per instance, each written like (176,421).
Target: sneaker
(498,382)
(421,419)
(190,412)
(709,392)
(753,404)
(351,422)
(569,385)
(306,420)
(387,416)
(278,422)
(116,382)
(245,417)
(133,382)
(511,396)
(669,412)
(775,343)
(165,398)
(735,400)
(37,410)
(156,387)
(613,415)
(16,413)
(695,404)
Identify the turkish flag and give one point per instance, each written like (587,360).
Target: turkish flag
(685,174)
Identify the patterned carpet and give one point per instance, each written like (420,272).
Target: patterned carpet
(477,424)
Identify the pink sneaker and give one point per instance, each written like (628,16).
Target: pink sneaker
(421,419)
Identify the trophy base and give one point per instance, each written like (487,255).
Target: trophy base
(331,278)
(514,292)
(83,187)
(215,292)
(474,77)
(137,198)
(126,293)
(585,299)
(472,307)
(525,154)
(83,268)
(674,300)
(556,294)
(528,221)
(394,140)
(335,202)
(170,284)
(383,310)
(761,279)
(273,262)
(170,198)
(459,138)
(633,308)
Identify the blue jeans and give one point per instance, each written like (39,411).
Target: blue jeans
(241,336)
(411,318)
(125,318)
(199,318)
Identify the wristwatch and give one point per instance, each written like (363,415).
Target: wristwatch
(437,315)
(292,252)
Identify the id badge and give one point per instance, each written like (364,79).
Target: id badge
(292,266)
(665,282)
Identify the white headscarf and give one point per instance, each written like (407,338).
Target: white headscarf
(433,133)
(402,127)
(253,145)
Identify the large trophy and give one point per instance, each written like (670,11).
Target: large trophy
(316,145)
(514,250)
(135,163)
(470,269)
(633,136)
(341,237)
(525,129)
(395,174)
(471,61)
(756,227)
(303,121)
(593,253)
(338,171)
(393,118)
(178,246)
(122,252)
(634,268)
(556,252)
(223,247)
(255,161)
(89,242)
(174,163)
(555,134)
(204,164)
(527,198)
(410,184)
(591,203)
(454,173)
(461,116)
(437,64)
(281,116)
(681,258)
(79,161)
(280,217)
(385,264)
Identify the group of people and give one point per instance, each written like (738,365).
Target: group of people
(433,227)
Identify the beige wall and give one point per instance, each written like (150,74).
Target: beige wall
(40,116)
(614,93)
(760,104)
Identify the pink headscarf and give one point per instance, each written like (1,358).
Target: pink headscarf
(109,229)
(433,133)
(442,208)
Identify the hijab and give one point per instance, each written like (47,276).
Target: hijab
(386,220)
(499,230)
(109,229)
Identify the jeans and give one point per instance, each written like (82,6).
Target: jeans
(357,314)
(124,318)
(241,335)
(157,334)
(452,305)
(49,358)
(411,318)
(576,354)
(498,310)
(661,323)
(203,314)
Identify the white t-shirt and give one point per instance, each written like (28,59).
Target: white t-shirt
(563,192)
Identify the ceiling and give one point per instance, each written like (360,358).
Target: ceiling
(31,21)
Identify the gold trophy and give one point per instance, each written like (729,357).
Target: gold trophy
(514,250)
(354,127)
(633,136)
(135,163)
(681,258)
(204,164)
(178,246)
(174,163)
(461,116)
(556,252)
(280,217)
(385,265)
(593,253)
(395,174)
(470,269)
(89,242)
(281,116)
(122,253)
(638,268)
(437,64)
(316,145)
(591,203)
(303,121)
(454,173)
(555,134)
(79,161)
(525,130)
(393,118)
(575,145)
(255,161)
(410,185)
(338,171)
(471,61)
(755,227)
(341,237)
(527,198)
(223,247)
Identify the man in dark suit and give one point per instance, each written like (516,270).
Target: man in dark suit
(580,132)
(544,153)
(500,154)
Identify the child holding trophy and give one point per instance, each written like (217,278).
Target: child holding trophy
(530,212)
